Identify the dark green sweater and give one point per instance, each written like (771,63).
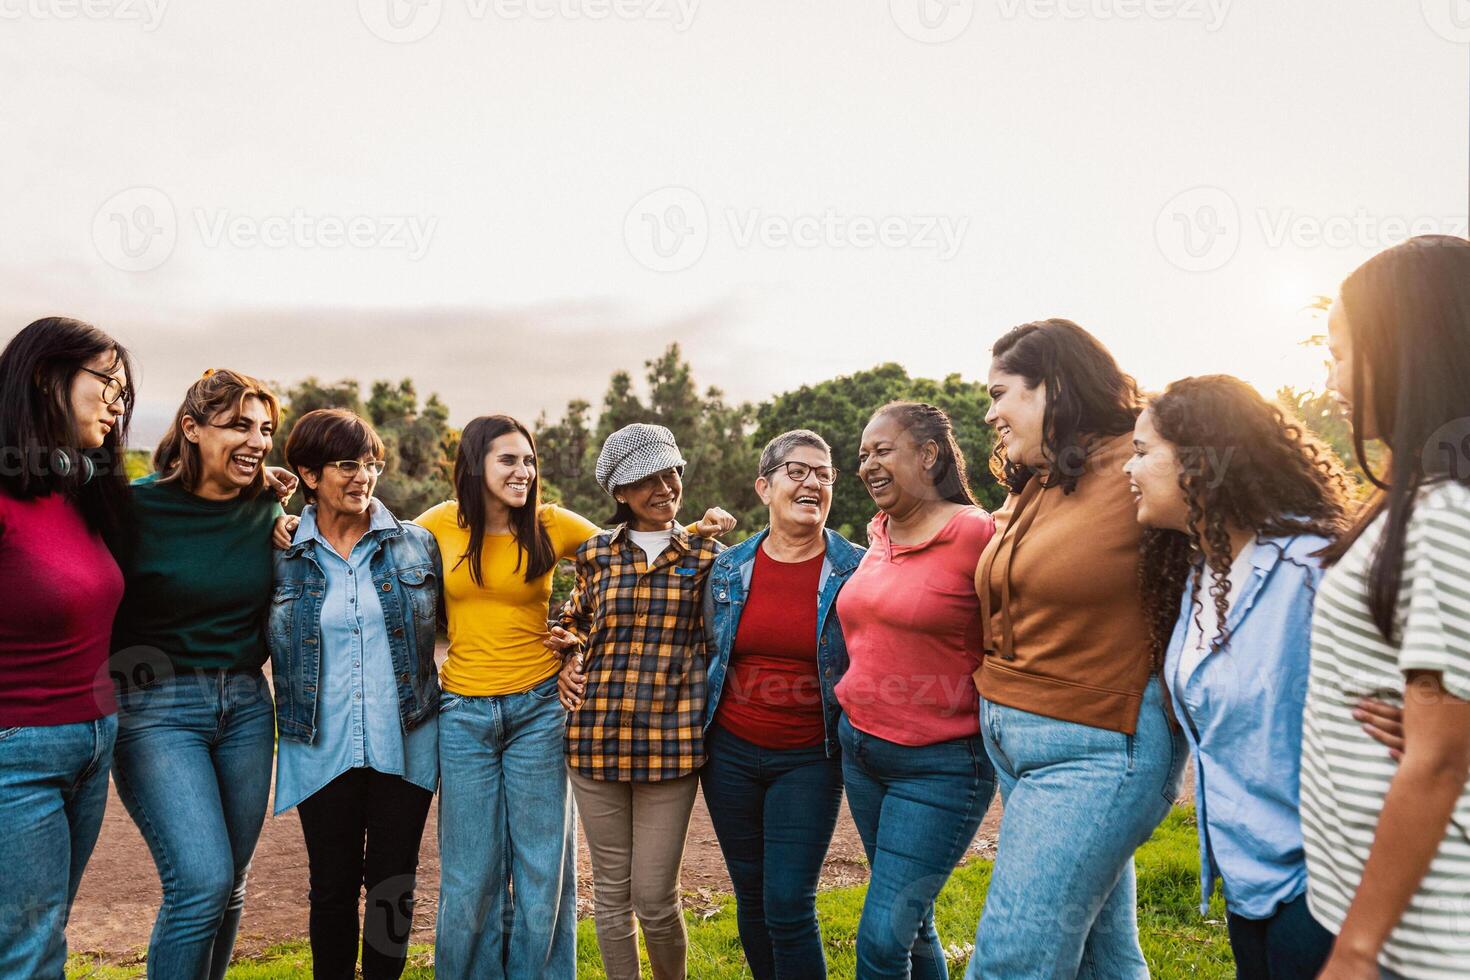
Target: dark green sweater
(199,584)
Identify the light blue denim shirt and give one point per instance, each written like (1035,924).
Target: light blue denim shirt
(357,717)
(1241,710)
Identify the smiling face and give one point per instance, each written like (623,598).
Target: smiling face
(1153,475)
(1340,367)
(92,415)
(340,494)
(893,468)
(797,507)
(510,470)
(232,449)
(1018,414)
(654,500)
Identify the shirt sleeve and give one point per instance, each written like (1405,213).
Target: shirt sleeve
(576,612)
(568,531)
(1434,594)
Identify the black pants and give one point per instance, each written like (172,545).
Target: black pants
(363,829)
(1290,945)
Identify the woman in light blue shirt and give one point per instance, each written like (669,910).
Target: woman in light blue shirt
(1235,492)
(351,637)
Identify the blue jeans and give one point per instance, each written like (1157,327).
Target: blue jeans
(916,809)
(1079,801)
(193,768)
(505,815)
(53,790)
(1290,945)
(773,811)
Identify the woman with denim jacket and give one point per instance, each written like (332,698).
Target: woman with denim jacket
(1239,504)
(351,638)
(773,774)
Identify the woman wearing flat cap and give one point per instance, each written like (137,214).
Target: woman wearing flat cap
(634,687)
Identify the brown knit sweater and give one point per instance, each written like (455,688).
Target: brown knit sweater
(1065,635)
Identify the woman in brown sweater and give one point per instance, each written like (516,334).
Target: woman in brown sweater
(1072,710)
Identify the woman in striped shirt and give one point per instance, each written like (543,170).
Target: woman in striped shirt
(1388,840)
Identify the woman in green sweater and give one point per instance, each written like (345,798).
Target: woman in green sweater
(196,724)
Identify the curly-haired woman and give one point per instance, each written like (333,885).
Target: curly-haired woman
(1228,486)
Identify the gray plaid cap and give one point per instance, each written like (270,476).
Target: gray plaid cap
(636,451)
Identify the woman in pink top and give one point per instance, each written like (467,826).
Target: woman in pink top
(918,779)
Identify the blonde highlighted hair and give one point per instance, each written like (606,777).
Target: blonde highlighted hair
(220,392)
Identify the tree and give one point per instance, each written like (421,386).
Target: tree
(1325,419)
(839,408)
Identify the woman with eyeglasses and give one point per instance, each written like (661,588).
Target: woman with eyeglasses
(65,400)
(196,732)
(351,636)
(772,778)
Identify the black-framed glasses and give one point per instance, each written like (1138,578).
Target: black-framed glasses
(351,467)
(798,472)
(112,389)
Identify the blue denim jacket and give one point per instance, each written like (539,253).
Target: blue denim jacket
(1241,711)
(407,575)
(724,600)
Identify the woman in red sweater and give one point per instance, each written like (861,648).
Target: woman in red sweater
(66,396)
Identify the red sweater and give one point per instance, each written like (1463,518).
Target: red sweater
(59,591)
(773,696)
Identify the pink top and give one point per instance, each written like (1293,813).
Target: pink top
(911,621)
(59,590)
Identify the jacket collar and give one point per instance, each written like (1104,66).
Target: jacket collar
(383,525)
(842,555)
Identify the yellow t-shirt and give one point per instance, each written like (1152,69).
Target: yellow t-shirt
(495,630)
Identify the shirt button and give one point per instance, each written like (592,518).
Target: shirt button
(357,663)
(353,602)
(354,631)
(349,571)
(357,695)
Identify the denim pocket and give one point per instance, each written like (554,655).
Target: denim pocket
(448,701)
(545,691)
(7,732)
(1178,755)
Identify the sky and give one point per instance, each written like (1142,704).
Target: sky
(506,200)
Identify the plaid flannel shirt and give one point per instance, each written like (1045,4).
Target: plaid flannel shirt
(642,631)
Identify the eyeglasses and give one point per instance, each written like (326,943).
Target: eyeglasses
(112,389)
(350,467)
(826,475)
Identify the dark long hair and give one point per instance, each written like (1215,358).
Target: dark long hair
(532,540)
(1087,397)
(1408,312)
(926,423)
(1243,462)
(37,369)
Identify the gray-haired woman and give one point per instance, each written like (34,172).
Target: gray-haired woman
(635,724)
(773,781)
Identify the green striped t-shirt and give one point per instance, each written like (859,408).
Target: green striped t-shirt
(1345,773)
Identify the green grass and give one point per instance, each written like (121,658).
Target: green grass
(1176,940)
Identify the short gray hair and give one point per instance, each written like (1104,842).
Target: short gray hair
(780,447)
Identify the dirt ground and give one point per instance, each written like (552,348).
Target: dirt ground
(120,893)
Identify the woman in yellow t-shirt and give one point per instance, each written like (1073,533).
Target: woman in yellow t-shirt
(505,813)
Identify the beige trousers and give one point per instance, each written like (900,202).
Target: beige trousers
(635,833)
